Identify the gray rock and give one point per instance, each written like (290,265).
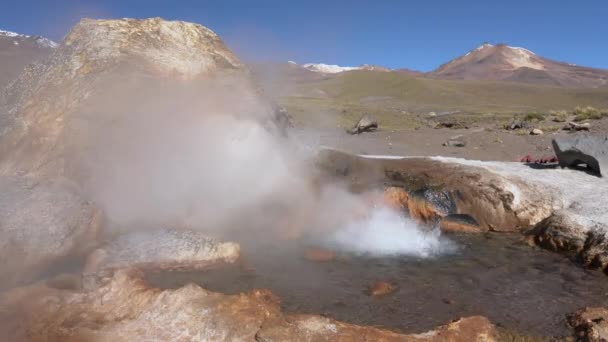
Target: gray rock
(573,126)
(162,250)
(589,150)
(366,124)
(41,225)
(517,124)
(456,141)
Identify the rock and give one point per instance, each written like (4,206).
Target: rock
(366,124)
(42,224)
(381,288)
(459,223)
(595,250)
(122,307)
(517,124)
(560,233)
(590,324)
(456,141)
(502,199)
(319,255)
(432,114)
(573,126)
(396,198)
(165,249)
(111,73)
(536,131)
(428,204)
(589,150)
(451,125)
(308,328)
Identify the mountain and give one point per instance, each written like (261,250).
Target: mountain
(515,64)
(18,50)
(334,69)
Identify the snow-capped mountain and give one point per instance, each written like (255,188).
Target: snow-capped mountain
(18,50)
(17,38)
(517,64)
(334,69)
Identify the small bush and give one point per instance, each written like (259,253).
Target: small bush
(531,117)
(586,113)
(559,115)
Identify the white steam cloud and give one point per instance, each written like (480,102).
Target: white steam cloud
(385,232)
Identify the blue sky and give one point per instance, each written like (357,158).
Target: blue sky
(413,34)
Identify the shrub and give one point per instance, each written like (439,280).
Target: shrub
(533,116)
(586,113)
(559,115)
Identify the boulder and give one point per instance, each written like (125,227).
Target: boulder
(42,224)
(589,150)
(165,249)
(456,141)
(536,131)
(366,124)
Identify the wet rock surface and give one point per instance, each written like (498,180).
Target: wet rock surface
(315,328)
(461,223)
(124,308)
(42,223)
(494,201)
(163,249)
(381,288)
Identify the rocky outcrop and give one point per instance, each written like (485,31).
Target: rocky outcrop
(107,72)
(439,187)
(121,307)
(589,150)
(166,249)
(42,224)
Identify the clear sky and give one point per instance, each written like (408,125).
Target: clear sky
(412,34)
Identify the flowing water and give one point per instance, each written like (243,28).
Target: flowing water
(524,289)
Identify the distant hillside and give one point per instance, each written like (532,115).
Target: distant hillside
(396,96)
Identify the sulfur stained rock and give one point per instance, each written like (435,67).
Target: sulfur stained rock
(122,307)
(459,223)
(381,288)
(396,198)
